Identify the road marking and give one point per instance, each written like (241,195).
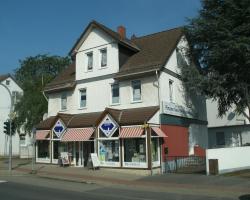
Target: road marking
(2,181)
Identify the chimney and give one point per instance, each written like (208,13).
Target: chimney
(122,32)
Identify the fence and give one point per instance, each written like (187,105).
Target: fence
(186,164)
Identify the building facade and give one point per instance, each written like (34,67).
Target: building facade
(231,130)
(124,100)
(20,142)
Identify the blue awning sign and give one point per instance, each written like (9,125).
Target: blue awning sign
(108,126)
(59,128)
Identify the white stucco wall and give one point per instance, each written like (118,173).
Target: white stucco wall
(229,119)
(4,115)
(94,42)
(229,159)
(193,102)
(99,96)
(197,136)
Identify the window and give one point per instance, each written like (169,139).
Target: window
(15,97)
(220,138)
(7,82)
(109,151)
(136,87)
(103,57)
(135,150)
(115,92)
(43,149)
(171,83)
(90,61)
(64,101)
(83,98)
(22,140)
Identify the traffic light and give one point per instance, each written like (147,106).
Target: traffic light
(6,127)
(13,128)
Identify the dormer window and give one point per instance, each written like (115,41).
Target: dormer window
(90,61)
(103,57)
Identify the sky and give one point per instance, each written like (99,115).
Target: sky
(32,27)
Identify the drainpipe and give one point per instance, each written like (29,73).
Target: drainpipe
(160,111)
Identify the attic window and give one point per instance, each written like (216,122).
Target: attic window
(90,61)
(7,82)
(103,57)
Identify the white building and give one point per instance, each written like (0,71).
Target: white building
(231,130)
(19,143)
(117,96)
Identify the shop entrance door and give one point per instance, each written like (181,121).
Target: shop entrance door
(79,154)
(88,147)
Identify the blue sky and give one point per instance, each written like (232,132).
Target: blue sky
(31,27)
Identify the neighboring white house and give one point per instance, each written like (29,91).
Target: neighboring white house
(116,96)
(20,142)
(231,130)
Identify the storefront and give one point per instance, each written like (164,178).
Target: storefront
(43,150)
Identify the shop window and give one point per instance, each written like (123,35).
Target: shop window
(220,138)
(115,91)
(83,98)
(90,61)
(43,149)
(136,90)
(155,149)
(135,150)
(103,57)
(109,150)
(64,101)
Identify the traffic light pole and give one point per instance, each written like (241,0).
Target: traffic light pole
(10,145)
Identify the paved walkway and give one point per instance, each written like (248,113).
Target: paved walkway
(188,183)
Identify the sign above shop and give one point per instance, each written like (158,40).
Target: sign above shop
(59,128)
(108,126)
(178,110)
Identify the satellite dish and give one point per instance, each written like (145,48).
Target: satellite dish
(45,116)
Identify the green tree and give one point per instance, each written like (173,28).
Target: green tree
(219,39)
(34,73)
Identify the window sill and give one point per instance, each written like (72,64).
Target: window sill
(83,108)
(140,101)
(63,110)
(90,70)
(115,104)
(104,67)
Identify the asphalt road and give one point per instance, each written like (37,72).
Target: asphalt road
(32,188)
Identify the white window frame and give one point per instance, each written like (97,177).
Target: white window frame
(132,92)
(111,95)
(171,90)
(79,98)
(87,59)
(64,93)
(100,51)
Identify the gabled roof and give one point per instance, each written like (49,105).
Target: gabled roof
(133,116)
(152,53)
(94,24)
(63,81)
(4,76)
(155,50)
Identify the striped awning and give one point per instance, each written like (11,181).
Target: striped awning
(42,134)
(131,132)
(159,132)
(77,134)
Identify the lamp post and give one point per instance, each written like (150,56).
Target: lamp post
(11,116)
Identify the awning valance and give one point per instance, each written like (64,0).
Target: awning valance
(42,134)
(159,132)
(77,134)
(131,132)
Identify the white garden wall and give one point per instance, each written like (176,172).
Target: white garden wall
(229,159)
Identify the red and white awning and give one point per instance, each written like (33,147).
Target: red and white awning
(131,132)
(77,134)
(159,132)
(42,134)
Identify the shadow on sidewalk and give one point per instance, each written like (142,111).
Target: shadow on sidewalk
(245,197)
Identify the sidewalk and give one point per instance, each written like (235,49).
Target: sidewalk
(188,183)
